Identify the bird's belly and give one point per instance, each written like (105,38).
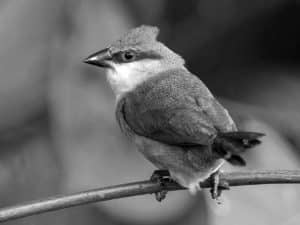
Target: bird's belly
(187,166)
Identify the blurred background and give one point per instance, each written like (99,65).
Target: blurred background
(58,133)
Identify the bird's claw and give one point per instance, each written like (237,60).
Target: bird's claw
(161,195)
(160,176)
(218,185)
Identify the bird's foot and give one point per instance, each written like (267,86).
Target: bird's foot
(160,176)
(218,185)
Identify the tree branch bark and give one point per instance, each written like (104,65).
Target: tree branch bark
(140,188)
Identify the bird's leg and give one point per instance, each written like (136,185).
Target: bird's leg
(218,185)
(160,176)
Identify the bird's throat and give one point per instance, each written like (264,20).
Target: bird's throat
(126,77)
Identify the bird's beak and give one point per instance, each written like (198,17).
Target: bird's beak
(100,58)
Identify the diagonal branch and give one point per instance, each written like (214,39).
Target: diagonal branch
(140,188)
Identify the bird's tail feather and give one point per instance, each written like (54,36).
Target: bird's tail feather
(230,145)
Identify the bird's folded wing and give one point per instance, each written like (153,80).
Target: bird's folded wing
(175,108)
(179,127)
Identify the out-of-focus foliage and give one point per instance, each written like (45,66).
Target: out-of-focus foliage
(57,128)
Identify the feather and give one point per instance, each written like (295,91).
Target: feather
(175,108)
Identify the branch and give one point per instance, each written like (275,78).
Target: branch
(140,188)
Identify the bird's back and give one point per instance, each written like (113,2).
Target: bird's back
(163,95)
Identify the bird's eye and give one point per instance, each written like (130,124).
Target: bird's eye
(128,56)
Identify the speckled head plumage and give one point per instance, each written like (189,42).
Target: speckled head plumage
(134,58)
(143,40)
(137,37)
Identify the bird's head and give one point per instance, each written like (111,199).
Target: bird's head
(134,58)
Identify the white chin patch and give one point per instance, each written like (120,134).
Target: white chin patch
(126,76)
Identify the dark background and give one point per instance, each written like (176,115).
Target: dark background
(58,133)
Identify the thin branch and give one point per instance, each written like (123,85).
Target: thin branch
(140,188)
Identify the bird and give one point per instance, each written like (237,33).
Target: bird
(169,113)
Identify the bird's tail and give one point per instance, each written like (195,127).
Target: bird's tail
(230,145)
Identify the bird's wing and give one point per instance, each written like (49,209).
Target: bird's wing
(174,108)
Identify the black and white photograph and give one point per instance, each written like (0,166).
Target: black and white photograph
(159,112)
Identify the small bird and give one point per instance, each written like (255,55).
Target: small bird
(169,113)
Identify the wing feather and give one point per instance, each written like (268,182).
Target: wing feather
(175,108)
